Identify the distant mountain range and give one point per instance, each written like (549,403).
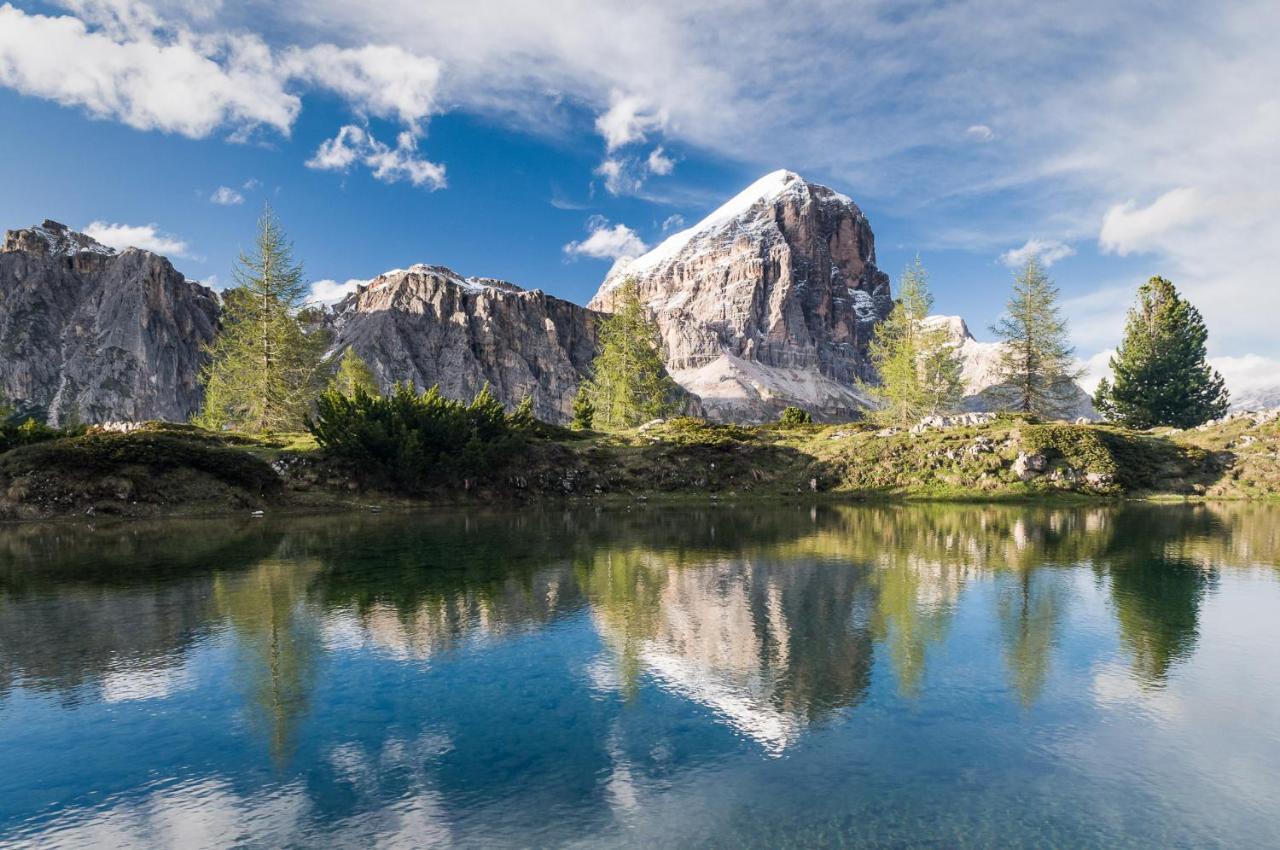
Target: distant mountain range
(769,301)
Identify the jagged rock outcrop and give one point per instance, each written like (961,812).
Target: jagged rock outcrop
(769,301)
(981,371)
(429,325)
(95,335)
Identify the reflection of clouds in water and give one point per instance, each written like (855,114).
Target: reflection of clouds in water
(206,813)
(129,682)
(1116,688)
(621,786)
(416,819)
(211,813)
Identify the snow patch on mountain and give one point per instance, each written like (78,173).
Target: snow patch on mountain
(730,216)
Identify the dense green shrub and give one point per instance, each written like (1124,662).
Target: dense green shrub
(13,434)
(419,439)
(794,416)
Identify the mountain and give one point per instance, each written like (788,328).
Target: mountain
(1256,398)
(981,370)
(92,334)
(432,326)
(767,302)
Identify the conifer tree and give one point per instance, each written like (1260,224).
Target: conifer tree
(354,373)
(1036,367)
(1161,376)
(264,368)
(629,384)
(918,366)
(584,411)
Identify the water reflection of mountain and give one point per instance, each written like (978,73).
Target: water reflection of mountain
(768,646)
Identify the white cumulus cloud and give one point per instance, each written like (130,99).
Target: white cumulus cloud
(628,119)
(389,164)
(145,236)
(1127,227)
(659,162)
(607,243)
(123,61)
(182,84)
(331,291)
(380,80)
(226,196)
(1049,251)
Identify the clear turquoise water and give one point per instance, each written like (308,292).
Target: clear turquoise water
(923,676)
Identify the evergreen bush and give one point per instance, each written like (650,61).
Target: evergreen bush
(418,438)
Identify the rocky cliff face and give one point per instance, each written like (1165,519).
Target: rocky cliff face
(769,301)
(981,371)
(432,326)
(96,335)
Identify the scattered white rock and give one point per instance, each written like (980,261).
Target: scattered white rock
(1027,466)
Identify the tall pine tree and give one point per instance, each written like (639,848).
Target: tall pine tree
(629,385)
(584,412)
(918,366)
(264,368)
(1161,376)
(1037,370)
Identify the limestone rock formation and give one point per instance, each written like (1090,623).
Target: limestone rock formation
(429,325)
(769,301)
(92,334)
(981,371)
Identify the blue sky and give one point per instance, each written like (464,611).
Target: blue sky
(1117,140)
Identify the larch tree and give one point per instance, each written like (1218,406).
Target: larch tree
(918,366)
(264,368)
(1037,370)
(1161,374)
(354,373)
(629,384)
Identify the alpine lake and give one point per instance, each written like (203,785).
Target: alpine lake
(808,676)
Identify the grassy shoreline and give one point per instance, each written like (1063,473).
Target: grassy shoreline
(177,470)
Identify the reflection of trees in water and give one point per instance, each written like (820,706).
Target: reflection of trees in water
(276,639)
(113,608)
(1031,604)
(1159,577)
(915,600)
(420,588)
